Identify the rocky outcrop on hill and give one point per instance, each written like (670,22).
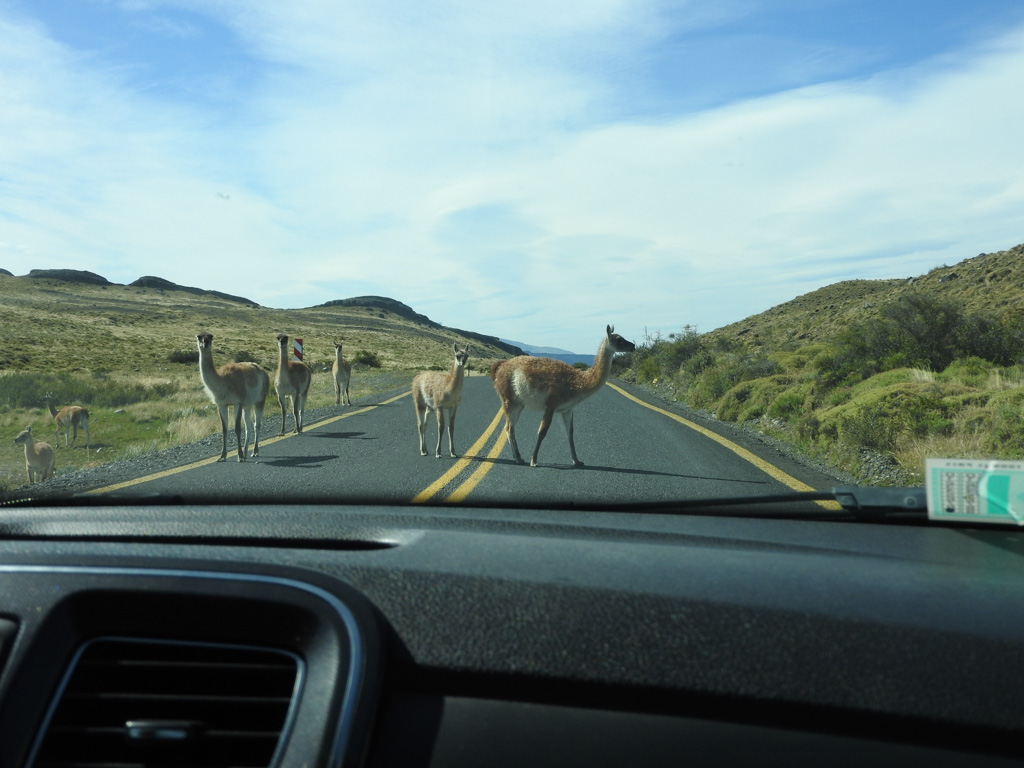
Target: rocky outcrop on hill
(382,302)
(404,310)
(160,283)
(69,276)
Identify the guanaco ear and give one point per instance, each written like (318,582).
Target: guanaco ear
(611,329)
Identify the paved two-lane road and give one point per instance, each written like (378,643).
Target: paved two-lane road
(633,450)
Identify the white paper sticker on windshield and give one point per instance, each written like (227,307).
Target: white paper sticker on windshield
(976,491)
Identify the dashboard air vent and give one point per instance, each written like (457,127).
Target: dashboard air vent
(144,703)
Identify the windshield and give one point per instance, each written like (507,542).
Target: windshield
(583,253)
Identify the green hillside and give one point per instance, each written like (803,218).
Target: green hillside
(872,376)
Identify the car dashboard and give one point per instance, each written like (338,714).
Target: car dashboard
(215,635)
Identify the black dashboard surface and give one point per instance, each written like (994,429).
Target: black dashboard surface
(457,636)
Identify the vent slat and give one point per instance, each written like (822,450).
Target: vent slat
(174,697)
(233,701)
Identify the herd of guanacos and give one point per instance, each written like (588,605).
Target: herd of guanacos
(524,382)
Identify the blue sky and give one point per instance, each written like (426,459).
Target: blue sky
(531,170)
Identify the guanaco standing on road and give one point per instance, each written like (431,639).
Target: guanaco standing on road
(436,392)
(243,386)
(342,372)
(292,380)
(551,386)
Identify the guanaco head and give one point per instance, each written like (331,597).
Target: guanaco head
(205,340)
(24,437)
(617,343)
(460,356)
(337,346)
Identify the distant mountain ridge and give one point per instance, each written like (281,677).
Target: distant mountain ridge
(553,352)
(533,349)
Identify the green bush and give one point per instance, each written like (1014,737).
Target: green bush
(184,356)
(920,331)
(658,358)
(787,405)
(870,427)
(366,359)
(972,371)
(648,370)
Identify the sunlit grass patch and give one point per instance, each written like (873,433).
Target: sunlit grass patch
(188,425)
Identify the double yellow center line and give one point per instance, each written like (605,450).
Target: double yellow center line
(463,489)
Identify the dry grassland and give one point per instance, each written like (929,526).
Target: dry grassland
(119,343)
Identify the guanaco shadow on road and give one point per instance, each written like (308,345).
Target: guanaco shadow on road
(299,461)
(341,436)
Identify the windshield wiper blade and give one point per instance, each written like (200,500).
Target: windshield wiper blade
(852,502)
(878,501)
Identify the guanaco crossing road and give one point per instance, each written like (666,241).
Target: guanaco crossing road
(635,449)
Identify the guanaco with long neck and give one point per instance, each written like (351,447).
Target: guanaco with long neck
(39,459)
(292,380)
(342,372)
(551,386)
(437,392)
(243,386)
(69,418)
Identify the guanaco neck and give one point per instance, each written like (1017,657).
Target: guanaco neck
(598,374)
(455,375)
(206,370)
(53,411)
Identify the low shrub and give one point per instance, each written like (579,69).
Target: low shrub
(870,427)
(366,359)
(786,405)
(190,356)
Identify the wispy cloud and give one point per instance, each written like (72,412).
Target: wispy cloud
(510,169)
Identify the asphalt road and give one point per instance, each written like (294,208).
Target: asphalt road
(632,451)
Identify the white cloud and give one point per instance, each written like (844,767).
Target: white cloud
(473,167)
